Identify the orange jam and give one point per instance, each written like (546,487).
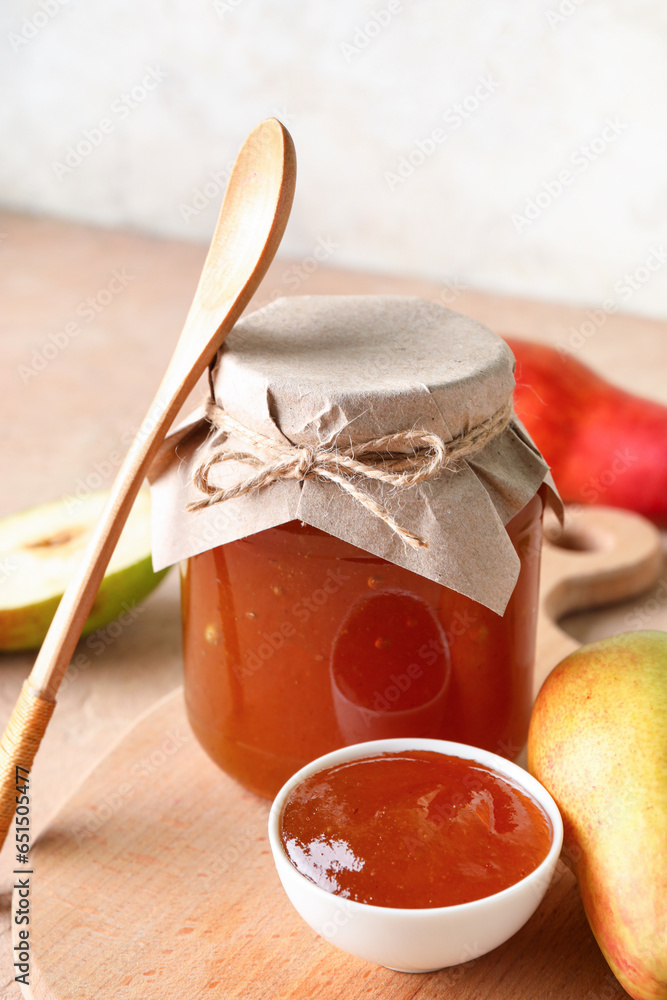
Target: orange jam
(413,829)
(297,643)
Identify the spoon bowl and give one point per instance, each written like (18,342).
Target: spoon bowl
(250,227)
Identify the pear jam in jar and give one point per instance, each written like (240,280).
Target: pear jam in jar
(360,519)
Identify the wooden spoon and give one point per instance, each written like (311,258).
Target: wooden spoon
(252,221)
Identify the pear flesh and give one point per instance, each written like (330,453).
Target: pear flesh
(598,743)
(39,551)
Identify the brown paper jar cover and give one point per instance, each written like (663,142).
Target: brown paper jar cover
(337,371)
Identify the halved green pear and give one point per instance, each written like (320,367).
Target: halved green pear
(39,551)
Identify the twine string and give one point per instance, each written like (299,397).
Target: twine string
(20,742)
(399,460)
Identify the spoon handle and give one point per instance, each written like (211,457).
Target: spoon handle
(251,224)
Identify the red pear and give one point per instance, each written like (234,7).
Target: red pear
(604,445)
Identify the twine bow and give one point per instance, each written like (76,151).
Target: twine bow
(398,460)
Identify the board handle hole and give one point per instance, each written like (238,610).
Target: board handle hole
(579,538)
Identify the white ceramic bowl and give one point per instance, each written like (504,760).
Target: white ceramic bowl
(417,940)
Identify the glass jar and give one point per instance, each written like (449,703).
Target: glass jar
(296,643)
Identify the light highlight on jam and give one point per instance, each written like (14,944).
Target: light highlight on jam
(413,829)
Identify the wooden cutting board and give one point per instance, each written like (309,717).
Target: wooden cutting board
(156,880)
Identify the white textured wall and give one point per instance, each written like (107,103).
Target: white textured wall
(560,103)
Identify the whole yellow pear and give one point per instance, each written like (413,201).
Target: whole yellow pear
(598,742)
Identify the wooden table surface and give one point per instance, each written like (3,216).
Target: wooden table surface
(88,321)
